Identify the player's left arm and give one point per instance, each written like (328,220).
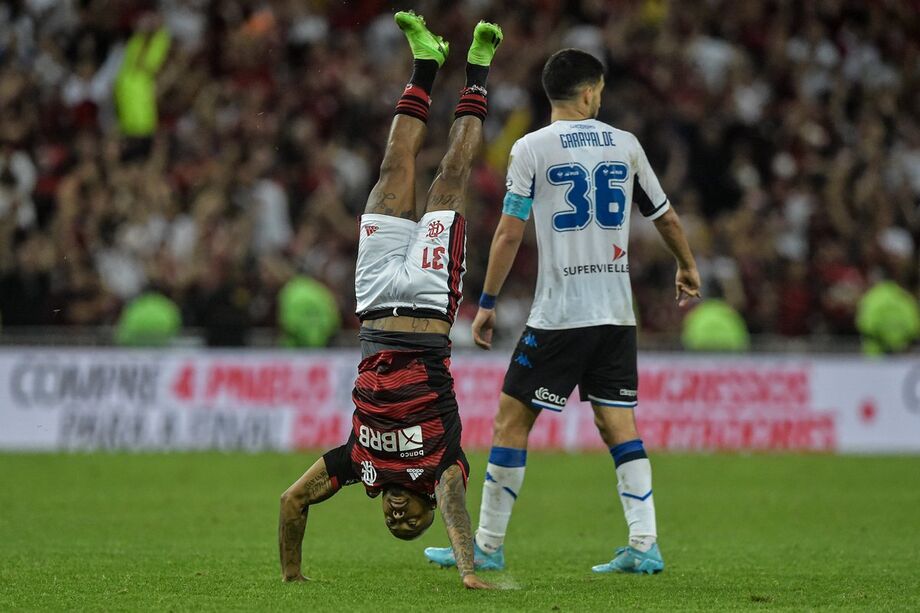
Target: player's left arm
(687,281)
(656,207)
(451,494)
(313,487)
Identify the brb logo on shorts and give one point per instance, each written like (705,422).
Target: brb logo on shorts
(408,441)
(435,228)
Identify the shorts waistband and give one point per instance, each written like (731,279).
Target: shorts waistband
(404,311)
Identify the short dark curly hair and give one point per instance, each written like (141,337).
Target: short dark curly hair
(569,69)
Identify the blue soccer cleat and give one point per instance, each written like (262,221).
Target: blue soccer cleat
(444,557)
(630,560)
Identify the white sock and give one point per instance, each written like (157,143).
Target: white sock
(634,484)
(504,478)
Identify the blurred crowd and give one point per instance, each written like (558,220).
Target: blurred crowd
(211,150)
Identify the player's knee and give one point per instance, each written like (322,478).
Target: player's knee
(290,499)
(607,434)
(510,431)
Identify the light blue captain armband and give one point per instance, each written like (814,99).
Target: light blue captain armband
(517,206)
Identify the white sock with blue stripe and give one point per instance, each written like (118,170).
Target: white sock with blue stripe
(504,477)
(634,484)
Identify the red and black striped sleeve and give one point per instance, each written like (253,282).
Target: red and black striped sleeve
(339,467)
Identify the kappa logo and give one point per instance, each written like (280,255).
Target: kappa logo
(415,473)
(408,442)
(618,253)
(368,472)
(370,229)
(435,228)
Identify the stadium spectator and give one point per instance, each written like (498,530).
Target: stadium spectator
(888,319)
(150,320)
(787,132)
(307,313)
(713,325)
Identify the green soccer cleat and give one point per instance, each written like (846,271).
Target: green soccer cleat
(424,44)
(630,560)
(444,557)
(486,39)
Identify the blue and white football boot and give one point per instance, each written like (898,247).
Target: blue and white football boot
(630,560)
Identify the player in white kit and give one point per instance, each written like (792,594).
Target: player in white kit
(577,177)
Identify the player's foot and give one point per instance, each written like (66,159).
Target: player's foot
(629,560)
(486,39)
(444,557)
(424,44)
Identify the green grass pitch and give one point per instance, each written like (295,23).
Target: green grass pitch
(198,532)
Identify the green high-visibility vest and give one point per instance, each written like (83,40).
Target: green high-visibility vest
(308,314)
(888,317)
(713,325)
(150,320)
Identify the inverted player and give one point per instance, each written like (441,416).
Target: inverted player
(577,176)
(405,439)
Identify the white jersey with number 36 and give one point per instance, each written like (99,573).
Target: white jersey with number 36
(581,177)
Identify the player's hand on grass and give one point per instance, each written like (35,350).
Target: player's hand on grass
(687,286)
(483,326)
(472,582)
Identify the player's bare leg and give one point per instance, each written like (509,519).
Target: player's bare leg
(513,423)
(617,427)
(394,193)
(448,190)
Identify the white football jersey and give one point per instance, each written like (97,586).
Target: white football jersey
(580,176)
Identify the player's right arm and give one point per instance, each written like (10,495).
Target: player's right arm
(505,244)
(313,487)
(450,492)
(507,239)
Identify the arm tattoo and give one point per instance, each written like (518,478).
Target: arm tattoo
(451,495)
(314,487)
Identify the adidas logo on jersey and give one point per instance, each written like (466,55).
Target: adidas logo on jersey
(415,473)
(370,229)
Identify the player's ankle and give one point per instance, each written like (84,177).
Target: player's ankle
(642,542)
(488,543)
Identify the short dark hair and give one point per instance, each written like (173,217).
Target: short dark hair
(569,69)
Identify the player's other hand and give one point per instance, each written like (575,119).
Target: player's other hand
(687,285)
(483,326)
(295,578)
(472,582)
